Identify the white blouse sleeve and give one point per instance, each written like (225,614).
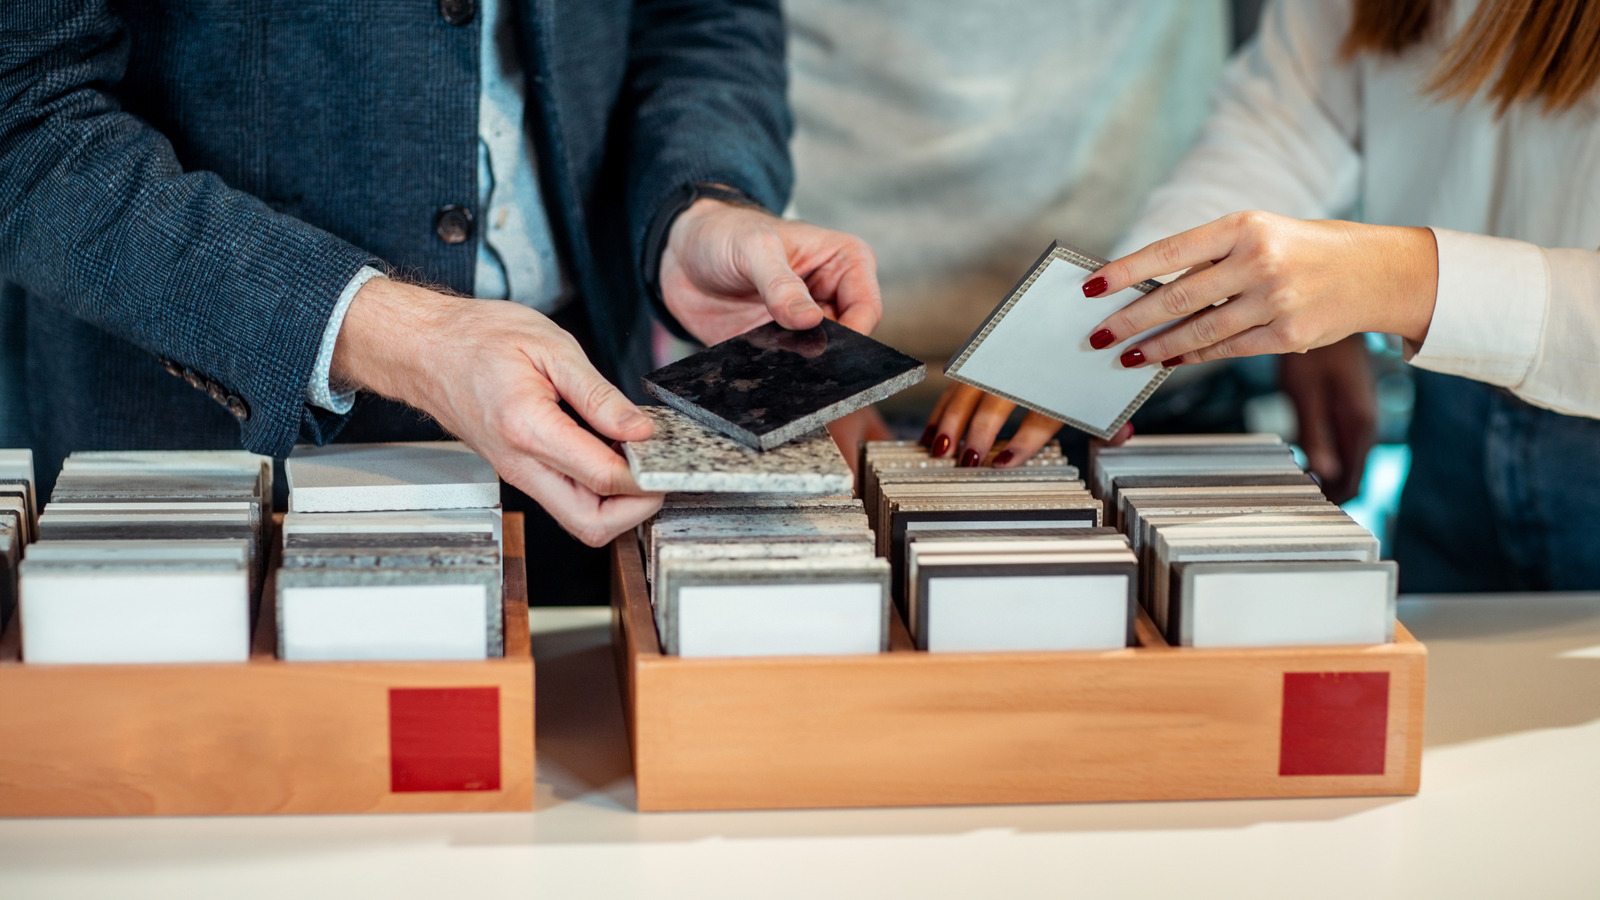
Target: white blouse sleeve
(1519,316)
(1283,136)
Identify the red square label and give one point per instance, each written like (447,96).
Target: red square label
(1334,723)
(444,739)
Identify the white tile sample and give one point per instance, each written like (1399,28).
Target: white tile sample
(1027,612)
(438,621)
(1034,348)
(135,614)
(1288,604)
(397,476)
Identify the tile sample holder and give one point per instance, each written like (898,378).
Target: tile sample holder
(906,728)
(269,736)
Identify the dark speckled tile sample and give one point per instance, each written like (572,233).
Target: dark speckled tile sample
(771,385)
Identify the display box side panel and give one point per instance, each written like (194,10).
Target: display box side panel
(907,728)
(272,737)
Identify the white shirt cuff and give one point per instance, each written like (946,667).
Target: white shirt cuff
(319,392)
(1490,308)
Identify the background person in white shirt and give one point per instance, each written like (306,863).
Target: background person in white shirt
(959,139)
(1466,137)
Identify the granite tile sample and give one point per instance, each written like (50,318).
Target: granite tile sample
(364,477)
(771,385)
(683,456)
(390,557)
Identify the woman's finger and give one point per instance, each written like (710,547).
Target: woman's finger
(1035,431)
(987,420)
(953,420)
(1199,337)
(1196,290)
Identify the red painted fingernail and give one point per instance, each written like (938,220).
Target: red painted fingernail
(1175,361)
(970,458)
(941,446)
(1095,286)
(1134,357)
(927,435)
(1004,457)
(1102,339)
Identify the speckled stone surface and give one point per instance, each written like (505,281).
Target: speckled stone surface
(771,385)
(683,456)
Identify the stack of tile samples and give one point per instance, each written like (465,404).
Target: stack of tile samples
(1238,547)
(391,552)
(756,553)
(18,519)
(147,557)
(991,559)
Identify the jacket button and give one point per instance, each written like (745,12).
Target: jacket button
(457,12)
(238,407)
(453,224)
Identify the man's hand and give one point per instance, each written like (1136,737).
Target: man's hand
(1337,407)
(493,374)
(727,269)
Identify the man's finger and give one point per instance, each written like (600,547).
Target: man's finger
(785,293)
(858,296)
(590,518)
(596,400)
(543,432)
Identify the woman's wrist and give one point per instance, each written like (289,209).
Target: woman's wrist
(1410,281)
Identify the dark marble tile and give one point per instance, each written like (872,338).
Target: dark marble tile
(771,385)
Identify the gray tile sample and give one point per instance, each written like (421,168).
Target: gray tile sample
(771,385)
(395,476)
(682,456)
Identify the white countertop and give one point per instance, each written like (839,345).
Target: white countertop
(1510,805)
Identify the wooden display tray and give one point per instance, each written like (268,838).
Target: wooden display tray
(907,728)
(268,736)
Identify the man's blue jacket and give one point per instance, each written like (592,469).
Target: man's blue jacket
(187,185)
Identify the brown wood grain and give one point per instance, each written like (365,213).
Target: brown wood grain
(264,736)
(909,728)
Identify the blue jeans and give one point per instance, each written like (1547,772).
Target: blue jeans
(1502,496)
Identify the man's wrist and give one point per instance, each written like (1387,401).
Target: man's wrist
(383,341)
(321,391)
(672,213)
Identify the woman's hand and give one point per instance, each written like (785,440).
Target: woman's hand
(1290,285)
(967,416)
